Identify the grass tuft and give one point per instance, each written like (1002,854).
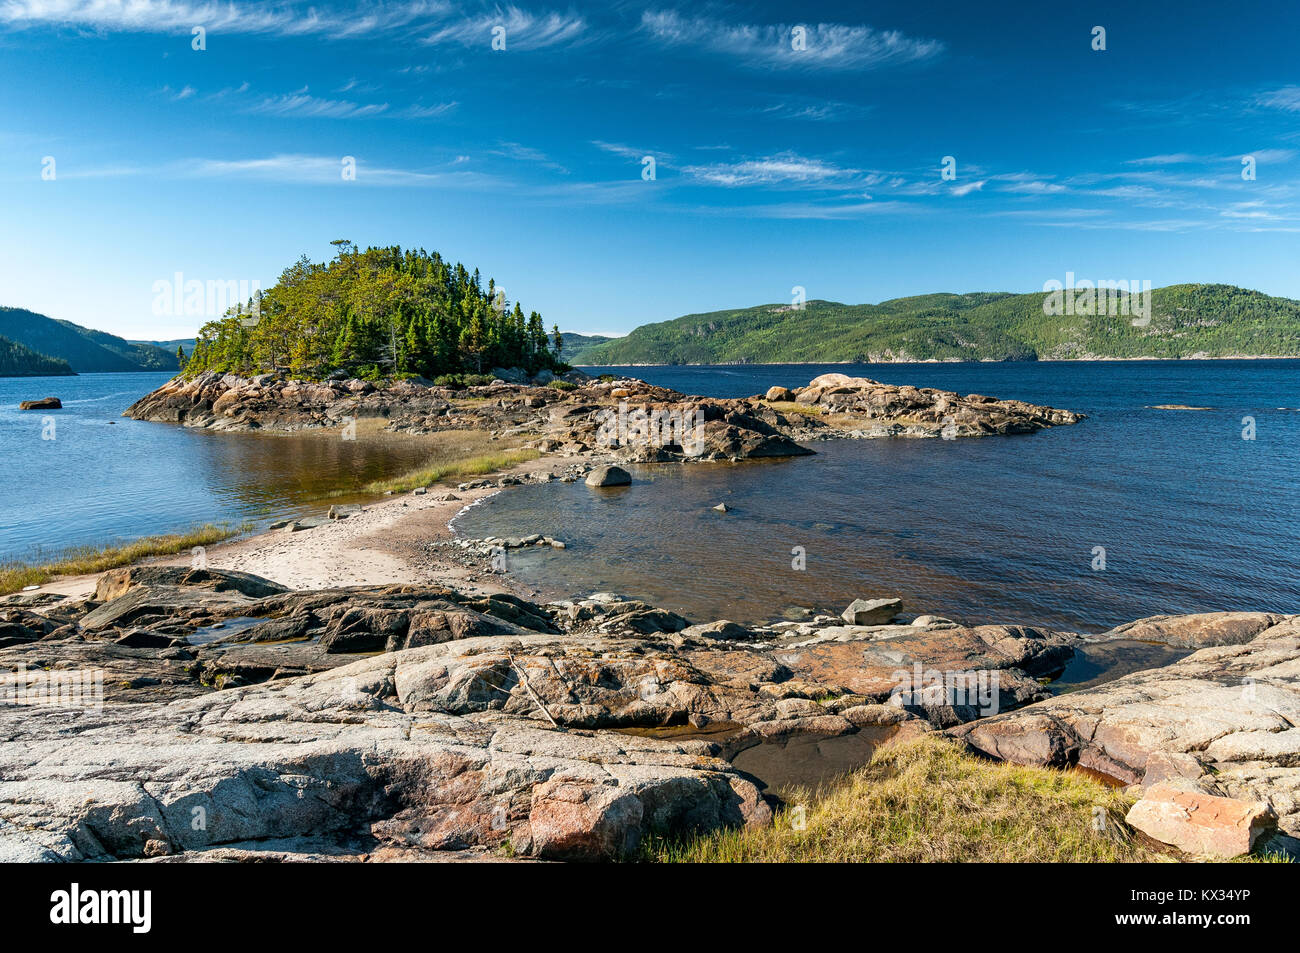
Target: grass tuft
(81,560)
(794,407)
(438,471)
(929,800)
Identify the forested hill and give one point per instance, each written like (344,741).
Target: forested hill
(378,313)
(577,345)
(1185,321)
(18,360)
(87,351)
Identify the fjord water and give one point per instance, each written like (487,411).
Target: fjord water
(1191,516)
(105,479)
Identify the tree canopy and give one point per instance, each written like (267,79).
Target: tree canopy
(378,313)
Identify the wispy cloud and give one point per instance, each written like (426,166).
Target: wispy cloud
(786,168)
(300,105)
(173,16)
(1288,98)
(631,152)
(306,169)
(832,46)
(523,30)
(428,112)
(814,111)
(519,152)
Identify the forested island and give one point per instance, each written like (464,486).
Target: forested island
(377,314)
(1192,320)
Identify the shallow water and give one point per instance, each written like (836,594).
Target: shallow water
(106,479)
(1191,517)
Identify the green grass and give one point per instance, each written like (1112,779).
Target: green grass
(82,560)
(930,801)
(443,470)
(794,407)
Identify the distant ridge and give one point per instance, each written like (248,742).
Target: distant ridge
(576,345)
(18,360)
(86,351)
(1185,321)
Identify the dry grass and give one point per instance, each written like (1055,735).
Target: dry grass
(793,407)
(928,800)
(81,560)
(456,454)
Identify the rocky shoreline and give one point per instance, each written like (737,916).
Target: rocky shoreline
(238,718)
(578,415)
(436,716)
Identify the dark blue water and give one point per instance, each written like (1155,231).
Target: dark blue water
(1191,516)
(105,479)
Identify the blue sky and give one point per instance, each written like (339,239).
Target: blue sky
(774,167)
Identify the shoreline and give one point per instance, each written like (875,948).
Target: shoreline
(1052,360)
(377,546)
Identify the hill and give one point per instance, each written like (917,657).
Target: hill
(379,313)
(1185,321)
(87,351)
(576,345)
(171,346)
(18,360)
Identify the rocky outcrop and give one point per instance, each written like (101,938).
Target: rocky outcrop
(630,419)
(234,715)
(44,403)
(913,411)
(1222,721)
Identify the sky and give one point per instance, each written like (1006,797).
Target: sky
(859,152)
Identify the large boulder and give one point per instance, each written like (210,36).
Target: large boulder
(45,403)
(871,611)
(608,476)
(1201,824)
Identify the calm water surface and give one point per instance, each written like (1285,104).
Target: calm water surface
(104,478)
(1191,516)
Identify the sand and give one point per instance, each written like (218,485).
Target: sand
(383,544)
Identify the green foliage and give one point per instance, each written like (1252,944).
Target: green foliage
(574,347)
(461,381)
(378,313)
(562,385)
(18,360)
(1186,321)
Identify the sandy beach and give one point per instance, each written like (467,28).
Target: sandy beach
(385,543)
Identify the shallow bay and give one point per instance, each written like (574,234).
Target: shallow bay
(1191,516)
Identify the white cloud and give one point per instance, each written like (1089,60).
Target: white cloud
(181,16)
(786,168)
(310,107)
(523,30)
(828,45)
(1288,98)
(320,170)
(630,152)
